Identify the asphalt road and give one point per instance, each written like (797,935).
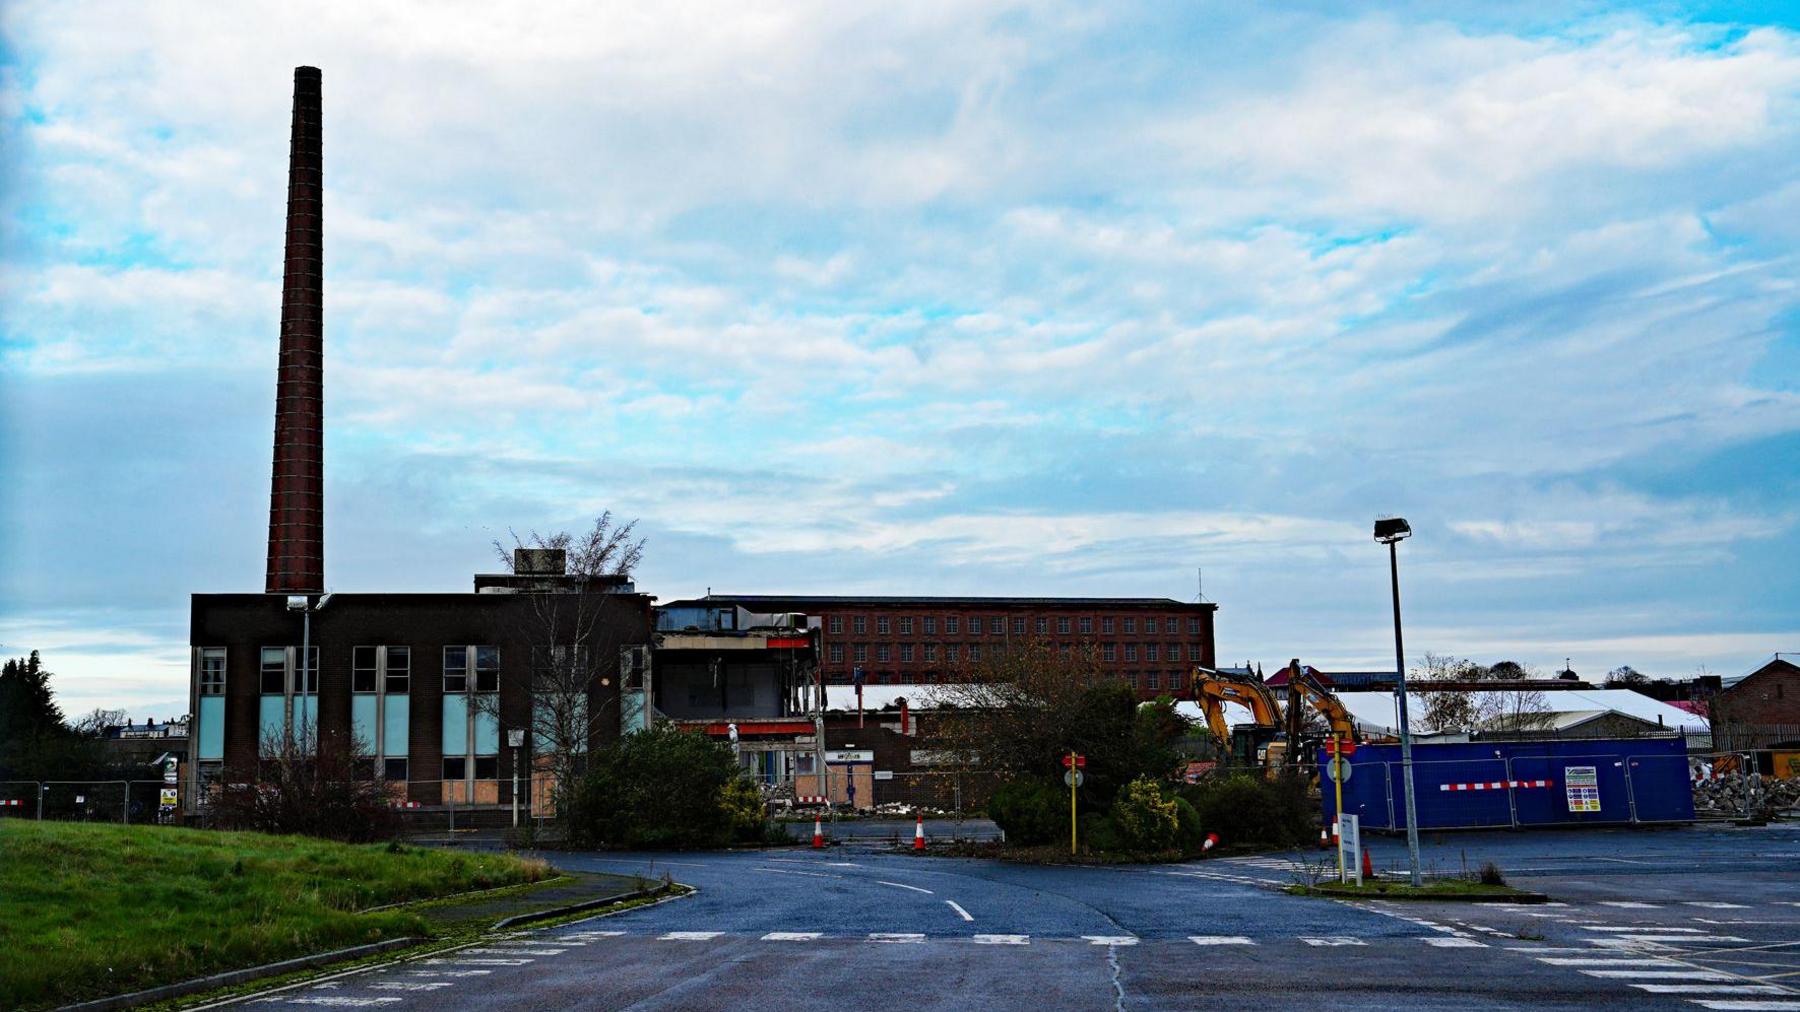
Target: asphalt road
(1696,918)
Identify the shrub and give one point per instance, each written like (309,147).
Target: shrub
(662,788)
(1190,835)
(1030,812)
(1249,808)
(1145,819)
(1099,834)
(1491,875)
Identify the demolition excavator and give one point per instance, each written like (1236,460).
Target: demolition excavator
(1275,732)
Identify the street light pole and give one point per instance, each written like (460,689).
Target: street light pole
(1391,532)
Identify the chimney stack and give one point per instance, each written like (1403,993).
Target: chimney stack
(297,492)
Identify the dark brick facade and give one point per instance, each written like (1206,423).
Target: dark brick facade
(1768,695)
(1151,642)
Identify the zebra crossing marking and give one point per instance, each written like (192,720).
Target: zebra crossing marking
(791,936)
(1220,940)
(1002,939)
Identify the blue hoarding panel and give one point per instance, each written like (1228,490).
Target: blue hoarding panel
(1472,785)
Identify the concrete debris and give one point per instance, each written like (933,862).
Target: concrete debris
(1736,796)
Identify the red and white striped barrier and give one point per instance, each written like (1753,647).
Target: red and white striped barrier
(406,804)
(809,799)
(1496,785)
(11,803)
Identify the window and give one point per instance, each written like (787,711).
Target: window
(1043,626)
(212,671)
(1131,651)
(1131,679)
(1087,625)
(487,767)
(949,653)
(974,625)
(837,623)
(1062,626)
(1193,627)
(883,653)
(974,652)
(998,627)
(951,625)
(487,669)
(1152,680)
(883,626)
(393,769)
(931,626)
(931,653)
(1174,651)
(1131,626)
(274,671)
(456,674)
(397,679)
(456,767)
(906,653)
(860,624)
(837,653)
(1150,652)
(906,626)
(362,669)
(1109,651)
(1106,626)
(1018,627)
(1149,625)
(860,652)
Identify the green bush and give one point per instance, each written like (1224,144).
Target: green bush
(1099,834)
(1190,837)
(1147,821)
(1248,808)
(663,788)
(1030,812)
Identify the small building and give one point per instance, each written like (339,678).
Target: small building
(133,744)
(1760,707)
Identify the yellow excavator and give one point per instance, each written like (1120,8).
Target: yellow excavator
(1273,732)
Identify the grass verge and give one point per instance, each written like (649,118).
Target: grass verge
(88,911)
(1433,889)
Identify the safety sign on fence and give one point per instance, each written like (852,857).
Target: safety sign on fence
(1583,786)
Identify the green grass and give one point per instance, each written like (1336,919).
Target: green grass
(90,910)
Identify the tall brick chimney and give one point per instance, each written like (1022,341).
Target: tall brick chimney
(297,487)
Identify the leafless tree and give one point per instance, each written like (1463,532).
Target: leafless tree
(1516,709)
(98,720)
(330,791)
(1445,709)
(572,623)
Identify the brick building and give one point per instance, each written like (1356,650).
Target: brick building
(1150,642)
(1755,709)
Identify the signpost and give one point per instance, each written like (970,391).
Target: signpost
(514,739)
(1340,751)
(1073,778)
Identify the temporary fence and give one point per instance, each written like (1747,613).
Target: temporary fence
(122,801)
(861,789)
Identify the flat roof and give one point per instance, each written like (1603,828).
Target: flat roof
(796,602)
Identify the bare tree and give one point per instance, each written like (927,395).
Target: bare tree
(98,721)
(572,621)
(1445,709)
(330,792)
(1516,709)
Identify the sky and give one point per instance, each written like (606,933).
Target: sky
(932,298)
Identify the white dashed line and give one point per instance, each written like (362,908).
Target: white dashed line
(1713,905)
(1630,905)
(338,1001)
(1220,940)
(514,950)
(960,912)
(1002,939)
(1454,943)
(1111,939)
(448,973)
(1662,974)
(689,936)
(1711,988)
(894,937)
(1639,928)
(1332,940)
(903,885)
(410,985)
(791,936)
(1615,961)
(1728,1005)
(477,962)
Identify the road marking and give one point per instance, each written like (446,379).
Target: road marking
(903,885)
(335,1000)
(1714,905)
(410,985)
(592,934)
(1613,961)
(1638,928)
(514,950)
(1706,939)
(1630,905)
(1454,943)
(477,962)
(1111,939)
(1332,940)
(1747,1006)
(1002,939)
(1663,974)
(448,973)
(1220,940)
(894,937)
(689,936)
(1711,989)
(791,936)
(960,912)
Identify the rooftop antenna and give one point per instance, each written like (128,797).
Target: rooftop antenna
(1200,590)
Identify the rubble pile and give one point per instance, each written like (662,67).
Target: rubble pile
(1732,796)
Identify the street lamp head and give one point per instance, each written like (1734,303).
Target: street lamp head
(296,603)
(323,601)
(1391,529)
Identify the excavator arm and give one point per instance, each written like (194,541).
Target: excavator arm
(1304,686)
(1213,689)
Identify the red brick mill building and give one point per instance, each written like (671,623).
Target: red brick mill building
(1149,642)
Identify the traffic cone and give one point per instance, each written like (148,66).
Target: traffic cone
(919,834)
(1368,867)
(1324,839)
(818,834)
(1212,840)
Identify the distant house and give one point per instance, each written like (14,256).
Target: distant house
(1759,707)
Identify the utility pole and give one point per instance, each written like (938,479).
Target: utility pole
(1391,532)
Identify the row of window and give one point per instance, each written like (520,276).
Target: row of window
(953,625)
(954,652)
(1173,680)
(386,667)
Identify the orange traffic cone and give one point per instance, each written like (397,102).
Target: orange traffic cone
(1368,867)
(818,834)
(919,834)
(1324,839)
(1212,840)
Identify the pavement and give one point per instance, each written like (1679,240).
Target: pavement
(1703,917)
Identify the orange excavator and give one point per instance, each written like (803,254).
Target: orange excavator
(1274,733)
